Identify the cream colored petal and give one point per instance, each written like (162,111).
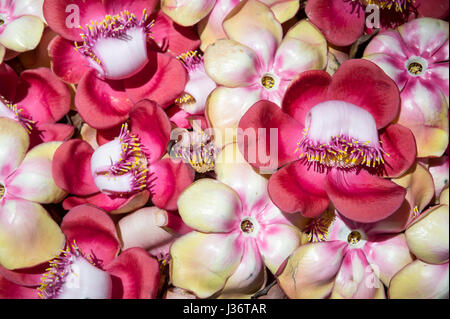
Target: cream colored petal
(419,280)
(14,140)
(209,206)
(253,24)
(138,201)
(2,53)
(28,235)
(285,10)
(22,34)
(443,198)
(428,237)
(202,263)
(231,64)
(187,12)
(303,48)
(33,179)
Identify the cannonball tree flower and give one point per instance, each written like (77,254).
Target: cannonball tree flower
(336,143)
(428,239)
(340,258)
(93,264)
(28,235)
(37,99)
(416,57)
(21,25)
(258,63)
(237,231)
(127,168)
(113,58)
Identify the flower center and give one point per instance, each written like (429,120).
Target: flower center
(270,81)
(340,134)
(247,226)
(416,66)
(13,112)
(119,168)
(2,191)
(116,39)
(383,4)
(196,148)
(71,275)
(317,229)
(354,237)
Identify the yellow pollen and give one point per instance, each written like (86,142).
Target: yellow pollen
(247,226)
(2,191)
(185,98)
(317,229)
(415,68)
(354,237)
(267,81)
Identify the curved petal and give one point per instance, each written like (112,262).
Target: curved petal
(428,236)
(304,92)
(28,235)
(303,48)
(363,197)
(341,23)
(151,124)
(71,175)
(272,136)
(297,188)
(433,8)
(135,275)
(14,141)
(134,6)
(93,231)
(187,13)
(67,63)
(33,179)
(301,279)
(276,243)
(283,10)
(43,96)
(170,179)
(263,32)
(389,43)
(419,280)
(202,263)
(439,169)
(387,255)
(231,64)
(101,104)
(9,290)
(22,34)
(381,98)
(8,82)
(162,80)
(50,132)
(26,277)
(393,67)
(210,206)
(357,279)
(398,141)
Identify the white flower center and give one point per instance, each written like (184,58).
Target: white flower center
(270,81)
(416,66)
(249,226)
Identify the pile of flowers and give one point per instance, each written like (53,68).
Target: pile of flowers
(224,149)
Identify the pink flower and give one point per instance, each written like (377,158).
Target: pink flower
(21,26)
(237,232)
(90,266)
(28,235)
(127,168)
(416,57)
(37,99)
(335,143)
(116,63)
(258,63)
(342,21)
(428,240)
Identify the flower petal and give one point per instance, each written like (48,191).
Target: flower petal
(93,231)
(135,275)
(22,34)
(187,13)
(14,141)
(283,10)
(9,290)
(8,82)
(389,43)
(202,263)
(295,188)
(210,206)
(363,197)
(28,235)
(393,67)
(49,132)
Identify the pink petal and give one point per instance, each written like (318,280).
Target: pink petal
(9,290)
(432,8)
(162,80)
(363,197)
(295,188)
(93,231)
(135,275)
(151,124)
(102,104)
(71,168)
(43,96)
(67,63)
(258,148)
(134,6)
(398,141)
(27,277)
(170,179)
(336,19)
(8,82)
(389,43)
(351,84)
(304,92)
(50,132)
